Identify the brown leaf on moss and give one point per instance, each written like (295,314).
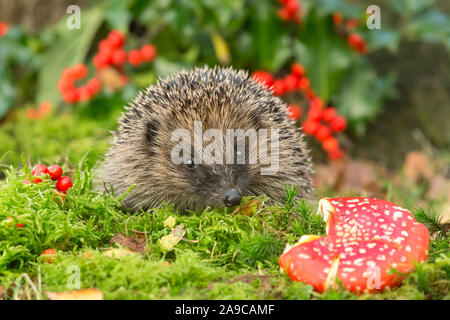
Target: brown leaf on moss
(439,188)
(169,241)
(134,243)
(247,209)
(117,253)
(84,294)
(417,166)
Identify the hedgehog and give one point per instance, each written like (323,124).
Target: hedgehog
(218,100)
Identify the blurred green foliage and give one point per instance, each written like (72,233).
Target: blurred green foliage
(245,34)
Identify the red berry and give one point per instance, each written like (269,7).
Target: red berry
(323,132)
(291,82)
(71,96)
(46,255)
(303,84)
(356,42)
(316,103)
(295,112)
(79,71)
(105,46)
(118,57)
(336,154)
(291,6)
(55,172)
(65,84)
(135,57)
(283,13)
(93,86)
(115,38)
(330,144)
(351,24)
(310,126)
(263,77)
(37,180)
(100,61)
(148,52)
(279,87)
(329,114)
(337,18)
(19,225)
(315,113)
(310,94)
(297,69)
(84,94)
(63,184)
(40,169)
(338,124)
(4,28)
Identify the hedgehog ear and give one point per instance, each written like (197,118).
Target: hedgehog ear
(151,129)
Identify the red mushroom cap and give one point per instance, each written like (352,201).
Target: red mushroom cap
(366,238)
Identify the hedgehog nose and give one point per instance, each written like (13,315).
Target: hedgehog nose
(232,197)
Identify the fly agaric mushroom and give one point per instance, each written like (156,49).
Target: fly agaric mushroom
(366,238)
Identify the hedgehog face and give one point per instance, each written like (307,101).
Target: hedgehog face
(142,153)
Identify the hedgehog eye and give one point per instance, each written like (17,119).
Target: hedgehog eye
(191,165)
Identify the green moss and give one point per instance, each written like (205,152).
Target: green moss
(224,256)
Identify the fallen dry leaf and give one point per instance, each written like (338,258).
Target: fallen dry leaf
(247,209)
(134,243)
(445,215)
(417,166)
(169,241)
(439,187)
(117,253)
(349,175)
(170,222)
(84,294)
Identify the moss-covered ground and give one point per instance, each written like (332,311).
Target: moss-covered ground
(221,256)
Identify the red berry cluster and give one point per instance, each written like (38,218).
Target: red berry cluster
(354,40)
(296,80)
(72,94)
(110,54)
(320,122)
(4,28)
(55,172)
(47,256)
(290,11)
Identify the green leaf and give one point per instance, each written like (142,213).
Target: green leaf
(409,7)
(431,25)
(326,7)
(361,96)
(382,38)
(325,56)
(70,48)
(269,38)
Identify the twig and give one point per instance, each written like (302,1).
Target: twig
(212,252)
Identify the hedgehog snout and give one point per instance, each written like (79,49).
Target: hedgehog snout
(232,197)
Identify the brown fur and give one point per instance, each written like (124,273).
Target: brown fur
(221,98)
